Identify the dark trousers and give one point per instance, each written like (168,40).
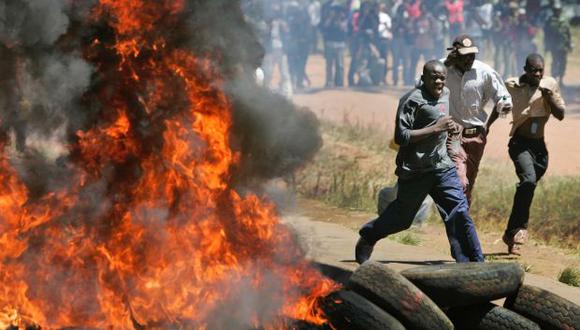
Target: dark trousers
(401,58)
(446,190)
(530,158)
(334,55)
(297,59)
(384,49)
(559,62)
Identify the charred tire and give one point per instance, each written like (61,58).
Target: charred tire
(399,297)
(489,317)
(549,310)
(452,285)
(348,310)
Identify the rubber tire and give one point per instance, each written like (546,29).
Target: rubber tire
(547,309)
(399,297)
(489,317)
(348,310)
(463,284)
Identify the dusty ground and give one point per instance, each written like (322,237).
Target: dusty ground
(537,258)
(330,244)
(377,107)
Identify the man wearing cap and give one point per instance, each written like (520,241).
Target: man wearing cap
(535,97)
(472,84)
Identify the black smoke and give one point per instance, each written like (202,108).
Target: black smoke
(49,87)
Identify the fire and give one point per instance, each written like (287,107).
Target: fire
(150,231)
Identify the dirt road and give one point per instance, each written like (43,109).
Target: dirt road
(333,244)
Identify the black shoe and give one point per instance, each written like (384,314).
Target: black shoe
(363,250)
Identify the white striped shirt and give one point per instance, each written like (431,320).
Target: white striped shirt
(471,91)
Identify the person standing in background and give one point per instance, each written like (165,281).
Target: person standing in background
(535,98)
(335,33)
(474,23)
(525,33)
(299,42)
(276,48)
(385,41)
(455,10)
(314,12)
(424,37)
(402,26)
(558,41)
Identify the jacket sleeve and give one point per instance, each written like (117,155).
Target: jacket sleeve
(404,121)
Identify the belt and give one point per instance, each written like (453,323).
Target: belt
(473,130)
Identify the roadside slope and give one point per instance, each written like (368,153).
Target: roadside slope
(332,242)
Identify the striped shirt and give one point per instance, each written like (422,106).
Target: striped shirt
(471,91)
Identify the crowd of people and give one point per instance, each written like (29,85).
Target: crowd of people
(385,40)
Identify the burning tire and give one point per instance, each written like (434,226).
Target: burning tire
(348,310)
(452,285)
(399,297)
(489,317)
(549,310)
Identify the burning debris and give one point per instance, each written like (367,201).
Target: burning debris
(125,126)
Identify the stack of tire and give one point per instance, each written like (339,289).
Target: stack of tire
(448,296)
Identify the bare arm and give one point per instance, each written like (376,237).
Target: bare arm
(557,108)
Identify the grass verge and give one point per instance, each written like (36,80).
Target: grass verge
(570,276)
(356,162)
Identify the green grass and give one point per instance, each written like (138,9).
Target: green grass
(554,212)
(407,238)
(348,178)
(356,162)
(570,276)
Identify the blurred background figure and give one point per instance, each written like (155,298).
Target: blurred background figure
(299,43)
(314,9)
(424,29)
(402,42)
(525,34)
(276,47)
(334,32)
(558,41)
(385,41)
(455,9)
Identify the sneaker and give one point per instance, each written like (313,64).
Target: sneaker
(363,250)
(521,237)
(515,243)
(515,249)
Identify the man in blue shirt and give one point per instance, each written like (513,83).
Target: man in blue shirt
(423,168)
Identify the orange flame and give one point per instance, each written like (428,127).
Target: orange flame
(150,231)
